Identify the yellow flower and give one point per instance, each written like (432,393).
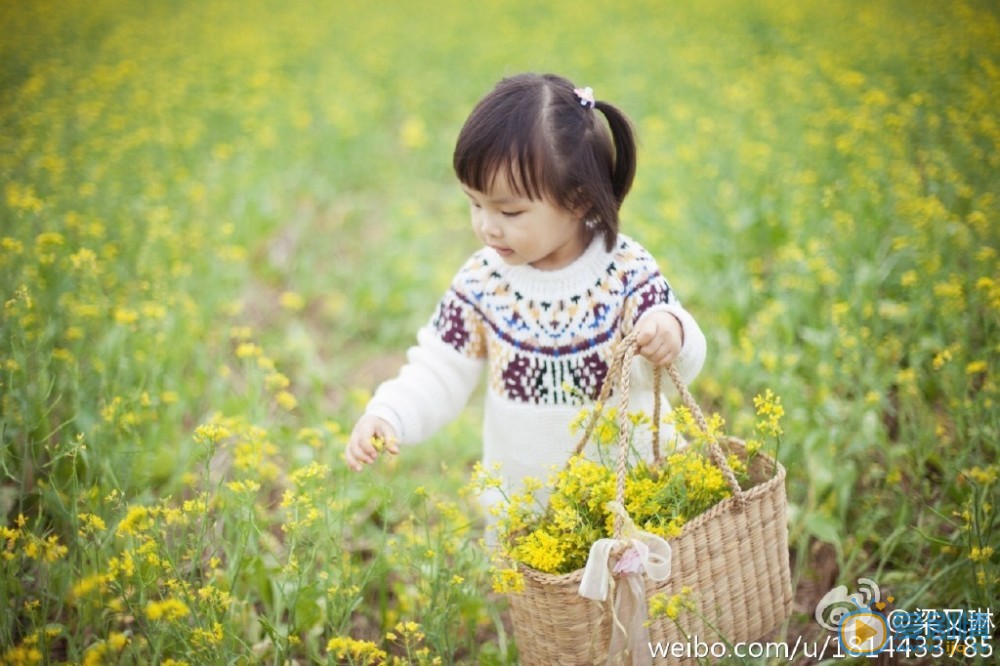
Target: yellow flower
(137,520)
(292,301)
(975,368)
(48,549)
(984,476)
(769,411)
(12,245)
(208,637)
(506,581)
(483,479)
(364,652)
(977,554)
(211,433)
(540,550)
(248,350)
(117,641)
(941,358)
(87,585)
(126,316)
(286,400)
(670,606)
(169,609)
(247,486)
(125,565)
(276,381)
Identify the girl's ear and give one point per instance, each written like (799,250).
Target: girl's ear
(581,205)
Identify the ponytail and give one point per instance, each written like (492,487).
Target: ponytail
(623,138)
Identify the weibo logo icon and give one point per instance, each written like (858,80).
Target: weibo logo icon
(837,603)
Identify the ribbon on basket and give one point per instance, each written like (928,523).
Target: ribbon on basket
(642,552)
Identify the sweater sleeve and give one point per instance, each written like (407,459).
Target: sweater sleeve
(430,390)
(441,372)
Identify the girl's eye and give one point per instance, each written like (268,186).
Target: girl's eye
(511,213)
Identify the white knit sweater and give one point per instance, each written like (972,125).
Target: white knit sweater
(546,339)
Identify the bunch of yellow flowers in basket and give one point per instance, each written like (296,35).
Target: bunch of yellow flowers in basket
(556,537)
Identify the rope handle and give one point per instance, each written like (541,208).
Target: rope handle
(618,371)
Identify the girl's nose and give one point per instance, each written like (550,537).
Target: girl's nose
(489,227)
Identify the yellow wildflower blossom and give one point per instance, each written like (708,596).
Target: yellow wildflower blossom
(540,550)
(363,652)
(137,520)
(980,554)
(506,581)
(286,400)
(169,609)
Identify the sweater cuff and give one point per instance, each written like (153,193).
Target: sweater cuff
(692,357)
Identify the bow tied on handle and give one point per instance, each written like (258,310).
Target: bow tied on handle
(639,553)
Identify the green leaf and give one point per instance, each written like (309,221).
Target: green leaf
(823,527)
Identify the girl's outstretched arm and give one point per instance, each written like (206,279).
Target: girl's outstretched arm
(430,390)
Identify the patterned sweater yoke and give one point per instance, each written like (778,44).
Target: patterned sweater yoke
(549,336)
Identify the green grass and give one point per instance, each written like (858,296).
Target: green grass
(222,224)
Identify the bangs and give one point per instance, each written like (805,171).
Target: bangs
(483,171)
(501,142)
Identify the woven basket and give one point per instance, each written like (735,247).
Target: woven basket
(734,557)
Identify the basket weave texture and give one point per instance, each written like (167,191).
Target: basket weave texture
(734,557)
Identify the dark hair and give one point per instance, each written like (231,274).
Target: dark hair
(534,130)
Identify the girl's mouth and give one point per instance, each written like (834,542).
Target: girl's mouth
(502,251)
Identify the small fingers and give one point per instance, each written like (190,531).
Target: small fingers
(351,460)
(652,349)
(356,458)
(358,453)
(364,449)
(659,352)
(645,336)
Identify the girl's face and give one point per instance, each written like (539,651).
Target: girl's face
(526,231)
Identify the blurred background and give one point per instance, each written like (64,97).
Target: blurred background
(223,222)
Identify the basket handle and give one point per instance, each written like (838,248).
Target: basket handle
(718,455)
(619,372)
(627,346)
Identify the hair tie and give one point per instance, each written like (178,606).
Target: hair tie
(586,96)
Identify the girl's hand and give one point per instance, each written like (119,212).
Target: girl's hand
(660,337)
(371,436)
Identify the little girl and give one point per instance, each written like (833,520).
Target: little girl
(552,292)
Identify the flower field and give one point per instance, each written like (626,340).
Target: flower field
(221,224)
